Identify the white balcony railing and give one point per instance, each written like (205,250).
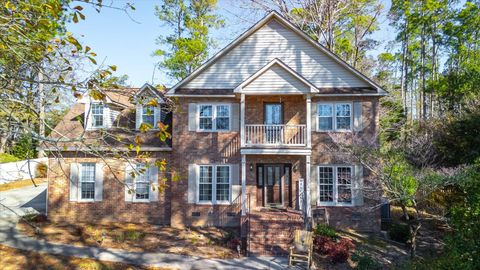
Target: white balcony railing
(275,135)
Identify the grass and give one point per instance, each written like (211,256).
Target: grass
(21,183)
(201,242)
(13,259)
(5,158)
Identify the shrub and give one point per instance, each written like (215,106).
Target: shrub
(327,231)
(5,158)
(365,261)
(134,235)
(41,170)
(336,251)
(399,232)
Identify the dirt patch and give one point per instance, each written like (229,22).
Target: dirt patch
(201,242)
(22,183)
(13,259)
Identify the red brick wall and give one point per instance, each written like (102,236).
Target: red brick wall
(113,206)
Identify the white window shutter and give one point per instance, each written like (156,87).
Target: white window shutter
(313,113)
(107,120)
(154,192)
(192,117)
(74,173)
(138,116)
(236,185)
(235,117)
(87,116)
(357,116)
(313,185)
(113,117)
(357,187)
(98,181)
(192,183)
(157,115)
(128,179)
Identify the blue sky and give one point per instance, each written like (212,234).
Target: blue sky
(128,40)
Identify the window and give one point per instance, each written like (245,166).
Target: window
(148,115)
(142,183)
(87,181)
(334,116)
(335,185)
(214,117)
(214,184)
(97,114)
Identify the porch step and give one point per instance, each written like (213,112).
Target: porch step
(271,232)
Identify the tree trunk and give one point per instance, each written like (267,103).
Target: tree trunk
(403,81)
(41,113)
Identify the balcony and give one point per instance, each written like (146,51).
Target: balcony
(275,135)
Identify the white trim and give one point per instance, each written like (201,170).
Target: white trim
(208,96)
(152,89)
(275,61)
(335,184)
(309,120)
(155,119)
(244,185)
(134,183)
(214,117)
(352,95)
(275,151)
(107,149)
(214,185)
(254,28)
(334,116)
(242,120)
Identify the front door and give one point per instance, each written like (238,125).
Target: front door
(273,185)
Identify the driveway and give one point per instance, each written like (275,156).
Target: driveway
(23,200)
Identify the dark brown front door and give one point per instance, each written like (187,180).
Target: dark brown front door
(273,184)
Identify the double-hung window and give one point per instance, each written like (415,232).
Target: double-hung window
(97,114)
(142,183)
(148,115)
(335,185)
(87,181)
(214,184)
(214,117)
(334,116)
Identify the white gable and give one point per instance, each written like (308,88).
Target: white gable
(274,40)
(276,79)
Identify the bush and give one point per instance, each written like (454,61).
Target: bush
(336,251)
(25,147)
(365,261)
(399,232)
(41,170)
(325,230)
(5,158)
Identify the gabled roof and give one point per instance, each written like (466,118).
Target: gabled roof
(291,26)
(151,89)
(278,62)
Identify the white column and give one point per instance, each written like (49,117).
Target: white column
(309,121)
(244,185)
(308,205)
(242,120)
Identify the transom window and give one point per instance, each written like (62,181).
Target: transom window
(97,114)
(87,181)
(334,116)
(214,183)
(214,117)
(148,115)
(142,183)
(335,185)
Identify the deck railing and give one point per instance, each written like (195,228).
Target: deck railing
(275,135)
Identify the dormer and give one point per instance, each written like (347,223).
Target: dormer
(148,107)
(102,114)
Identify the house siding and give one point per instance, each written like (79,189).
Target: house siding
(276,78)
(274,40)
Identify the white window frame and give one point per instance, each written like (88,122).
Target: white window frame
(155,118)
(92,115)
(214,200)
(214,117)
(334,116)
(335,185)
(149,181)
(80,176)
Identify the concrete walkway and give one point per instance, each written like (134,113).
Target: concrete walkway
(23,200)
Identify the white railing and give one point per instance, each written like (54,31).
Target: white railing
(284,135)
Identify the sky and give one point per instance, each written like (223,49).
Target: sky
(128,40)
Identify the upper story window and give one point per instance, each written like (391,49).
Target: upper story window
(334,116)
(214,184)
(213,117)
(148,115)
(335,185)
(97,114)
(87,181)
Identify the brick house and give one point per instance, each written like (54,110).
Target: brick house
(251,143)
